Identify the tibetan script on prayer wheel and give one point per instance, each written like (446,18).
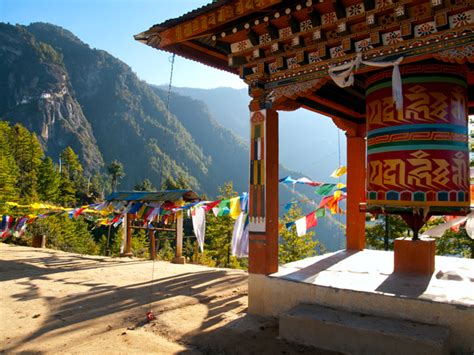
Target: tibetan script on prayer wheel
(418,156)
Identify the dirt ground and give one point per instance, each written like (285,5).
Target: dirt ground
(52,301)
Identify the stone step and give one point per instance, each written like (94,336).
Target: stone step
(357,333)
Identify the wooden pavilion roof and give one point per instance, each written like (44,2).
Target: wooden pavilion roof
(285,48)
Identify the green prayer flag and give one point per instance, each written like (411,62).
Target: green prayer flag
(320,212)
(224,208)
(325,189)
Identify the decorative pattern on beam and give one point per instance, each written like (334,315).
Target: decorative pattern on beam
(285,53)
(423,48)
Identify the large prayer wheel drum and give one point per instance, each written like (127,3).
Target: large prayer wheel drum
(418,157)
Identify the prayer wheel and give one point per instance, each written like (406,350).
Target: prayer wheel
(418,156)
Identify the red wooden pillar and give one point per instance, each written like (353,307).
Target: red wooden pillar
(263,192)
(356,175)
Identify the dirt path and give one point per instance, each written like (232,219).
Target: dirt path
(52,301)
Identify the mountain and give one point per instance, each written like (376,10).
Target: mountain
(308,141)
(72,95)
(37,92)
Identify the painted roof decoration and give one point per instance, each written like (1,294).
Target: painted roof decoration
(274,43)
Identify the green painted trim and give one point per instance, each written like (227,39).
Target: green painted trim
(413,148)
(418,79)
(418,128)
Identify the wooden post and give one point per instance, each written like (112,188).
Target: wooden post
(128,242)
(355,232)
(179,258)
(151,234)
(356,181)
(263,191)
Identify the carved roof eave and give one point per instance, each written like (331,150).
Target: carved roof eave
(184,50)
(425,48)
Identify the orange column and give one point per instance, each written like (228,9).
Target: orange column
(355,233)
(263,192)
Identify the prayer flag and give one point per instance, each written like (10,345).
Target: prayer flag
(325,189)
(305,223)
(198,216)
(320,212)
(235,207)
(211,205)
(240,237)
(223,207)
(339,172)
(306,181)
(135,207)
(141,211)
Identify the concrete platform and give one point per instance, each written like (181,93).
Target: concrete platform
(357,333)
(364,282)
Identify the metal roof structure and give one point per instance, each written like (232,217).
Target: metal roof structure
(153,196)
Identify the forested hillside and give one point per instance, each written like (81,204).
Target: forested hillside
(71,95)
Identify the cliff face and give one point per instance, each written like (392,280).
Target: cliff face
(37,93)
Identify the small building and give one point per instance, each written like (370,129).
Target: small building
(398,78)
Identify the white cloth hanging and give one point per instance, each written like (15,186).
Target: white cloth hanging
(343,75)
(438,231)
(470,225)
(240,237)
(198,216)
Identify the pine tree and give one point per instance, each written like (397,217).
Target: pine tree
(180,183)
(291,246)
(28,153)
(9,172)
(73,186)
(116,172)
(67,191)
(97,188)
(146,185)
(49,181)
(219,231)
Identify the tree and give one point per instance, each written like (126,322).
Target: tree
(28,153)
(180,183)
(98,187)
(219,231)
(9,173)
(71,165)
(291,246)
(49,181)
(116,172)
(146,185)
(375,231)
(72,182)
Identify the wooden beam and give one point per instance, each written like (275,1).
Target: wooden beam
(209,21)
(205,50)
(335,106)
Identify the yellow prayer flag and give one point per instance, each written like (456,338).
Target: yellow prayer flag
(340,185)
(141,211)
(235,207)
(339,172)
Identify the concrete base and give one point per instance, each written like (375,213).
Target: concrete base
(179,260)
(364,282)
(414,256)
(357,333)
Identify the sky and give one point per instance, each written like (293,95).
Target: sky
(110,25)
